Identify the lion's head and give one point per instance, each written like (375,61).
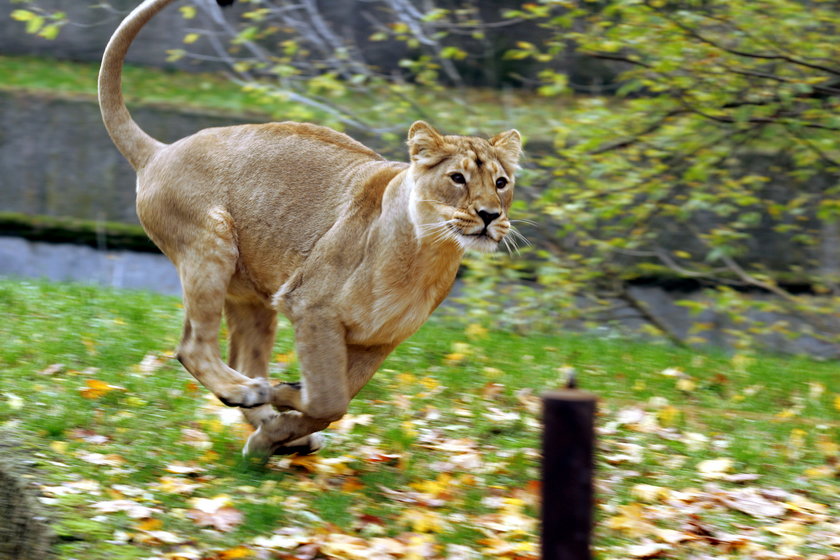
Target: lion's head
(462,186)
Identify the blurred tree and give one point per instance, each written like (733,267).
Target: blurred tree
(706,148)
(718,161)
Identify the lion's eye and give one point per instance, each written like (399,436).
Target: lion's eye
(458,178)
(501,183)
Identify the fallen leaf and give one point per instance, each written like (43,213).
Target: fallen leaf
(749,501)
(95,389)
(110,460)
(88,436)
(475,331)
(715,468)
(175,485)
(632,521)
(14,401)
(131,508)
(649,493)
(149,524)
(150,364)
(424,521)
(53,369)
(235,553)
(647,550)
(223,518)
(179,467)
(350,421)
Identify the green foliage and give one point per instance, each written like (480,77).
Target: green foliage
(725,137)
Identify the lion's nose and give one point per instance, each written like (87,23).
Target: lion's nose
(488,217)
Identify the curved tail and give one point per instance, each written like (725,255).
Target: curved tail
(137,146)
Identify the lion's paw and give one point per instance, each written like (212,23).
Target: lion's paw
(252,393)
(260,445)
(306,445)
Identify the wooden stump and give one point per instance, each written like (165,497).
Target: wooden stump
(24,531)
(567,483)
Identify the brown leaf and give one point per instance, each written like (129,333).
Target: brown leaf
(224,519)
(749,501)
(215,512)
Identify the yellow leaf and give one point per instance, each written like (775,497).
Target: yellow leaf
(787,413)
(474,330)
(829,449)
(837,402)
(59,447)
(668,415)
(237,552)
(686,384)
(824,471)
(649,493)
(797,437)
(191,38)
(493,372)
(150,524)
(187,12)
(90,346)
(424,521)
(430,383)
(409,429)
(287,358)
(462,348)
(95,389)
(631,521)
(454,357)
(23,15)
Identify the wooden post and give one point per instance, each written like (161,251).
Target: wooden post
(567,475)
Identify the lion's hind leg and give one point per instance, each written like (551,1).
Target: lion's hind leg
(206,269)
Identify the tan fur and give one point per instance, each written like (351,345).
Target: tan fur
(355,250)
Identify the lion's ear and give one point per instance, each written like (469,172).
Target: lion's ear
(509,145)
(426,146)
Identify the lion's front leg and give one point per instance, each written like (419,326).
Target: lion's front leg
(290,432)
(321,397)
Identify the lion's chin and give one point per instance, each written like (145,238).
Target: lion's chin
(478,243)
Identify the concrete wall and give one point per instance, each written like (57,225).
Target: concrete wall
(56,158)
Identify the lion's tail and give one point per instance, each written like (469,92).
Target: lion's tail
(137,146)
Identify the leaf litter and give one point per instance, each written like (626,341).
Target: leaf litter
(432,488)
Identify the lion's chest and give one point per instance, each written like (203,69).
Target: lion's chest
(389,315)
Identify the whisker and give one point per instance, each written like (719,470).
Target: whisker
(507,243)
(439,232)
(529,222)
(518,236)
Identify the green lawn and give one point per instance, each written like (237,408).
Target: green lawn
(463,112)
(700,454)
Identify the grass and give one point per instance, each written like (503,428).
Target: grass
(439,450)
(481,110)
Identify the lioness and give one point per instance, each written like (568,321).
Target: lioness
(355,250)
